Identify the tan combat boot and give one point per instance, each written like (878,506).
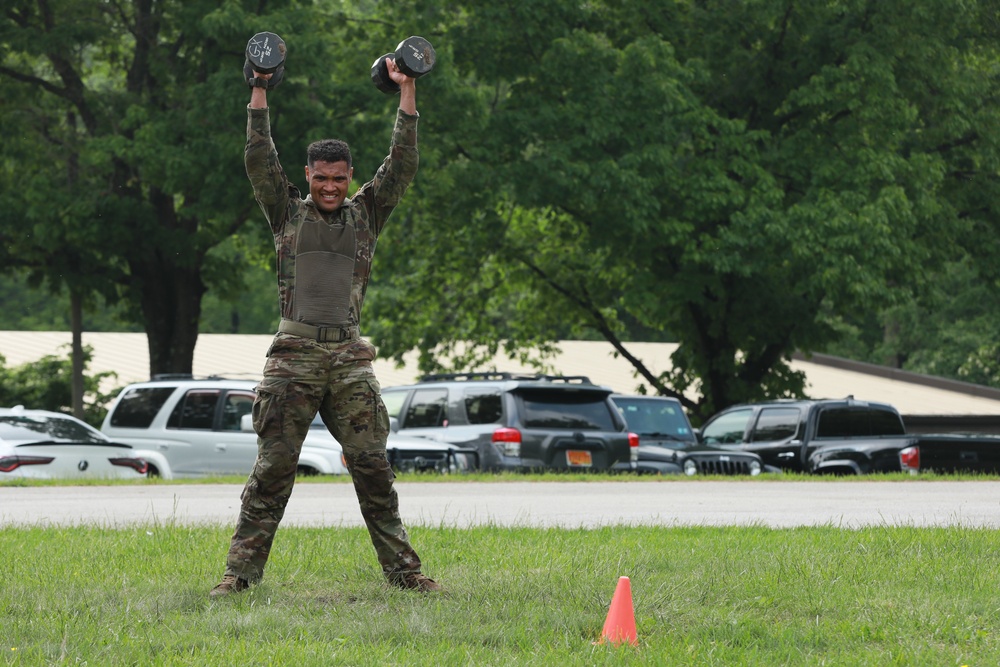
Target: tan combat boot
(414,581)
(230,584)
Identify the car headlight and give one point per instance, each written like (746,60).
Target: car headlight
(755,468)
(690,468)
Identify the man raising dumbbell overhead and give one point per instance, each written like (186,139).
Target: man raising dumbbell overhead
(318,361)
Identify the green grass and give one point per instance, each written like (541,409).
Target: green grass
(702,596)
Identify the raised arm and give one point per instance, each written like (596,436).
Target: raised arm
(258,96)
(270,186)
(407,88)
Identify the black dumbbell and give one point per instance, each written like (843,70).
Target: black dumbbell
(265,53)
(414,57)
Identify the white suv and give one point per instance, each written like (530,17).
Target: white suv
(183,427)
(195,428)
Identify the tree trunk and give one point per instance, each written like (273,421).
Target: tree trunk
(171,307)
(169,288)
(76,324)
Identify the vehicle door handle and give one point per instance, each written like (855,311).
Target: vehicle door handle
(786,455)
(220,447)
(163,447)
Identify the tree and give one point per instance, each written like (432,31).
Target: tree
(742,177)
(143,103)
(736,175)
(45,242)
(949,331)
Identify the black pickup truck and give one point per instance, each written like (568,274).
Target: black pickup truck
(837,436)
(952,453)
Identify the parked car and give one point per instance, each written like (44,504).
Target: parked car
(40,444)
(516,422)
(947,453)
(405,454)
(832,436)
(668,444)
(186,427)
(844,436)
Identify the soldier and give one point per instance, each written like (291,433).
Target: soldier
(318,360)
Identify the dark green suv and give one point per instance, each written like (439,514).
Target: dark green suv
(517,422)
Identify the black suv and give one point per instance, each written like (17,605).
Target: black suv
(517,422)
(668,444)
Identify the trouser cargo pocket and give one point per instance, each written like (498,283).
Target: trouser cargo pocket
(269,407)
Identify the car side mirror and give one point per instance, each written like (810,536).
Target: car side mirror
(246,422)
(393,425)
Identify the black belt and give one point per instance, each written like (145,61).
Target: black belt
(322,334)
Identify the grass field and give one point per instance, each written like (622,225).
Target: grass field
(890,595)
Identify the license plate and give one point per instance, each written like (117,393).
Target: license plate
(578,457)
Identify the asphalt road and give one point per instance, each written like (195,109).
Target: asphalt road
(844,503)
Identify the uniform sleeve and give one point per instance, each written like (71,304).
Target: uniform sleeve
(383,193)
(270,186)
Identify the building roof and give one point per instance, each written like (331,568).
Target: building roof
(242,356)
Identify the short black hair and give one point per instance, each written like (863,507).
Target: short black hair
(328,150)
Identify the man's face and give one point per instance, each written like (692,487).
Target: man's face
(328,184)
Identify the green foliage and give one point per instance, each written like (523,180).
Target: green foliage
(948,331)
(36,309)
(239,300)
(749,179)
(46,385)
(737,176)
(127,126)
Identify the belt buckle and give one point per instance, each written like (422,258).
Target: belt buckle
(331,334)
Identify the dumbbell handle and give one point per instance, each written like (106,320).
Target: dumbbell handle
(414,57)
(265,55)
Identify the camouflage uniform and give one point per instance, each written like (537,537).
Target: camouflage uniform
(323,270)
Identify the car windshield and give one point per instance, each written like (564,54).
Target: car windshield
(727,427)
(652,418)
(37,428)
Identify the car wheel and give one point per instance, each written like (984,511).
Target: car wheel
(152,471)
(306,471)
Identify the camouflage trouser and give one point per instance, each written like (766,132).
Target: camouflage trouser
(302,376)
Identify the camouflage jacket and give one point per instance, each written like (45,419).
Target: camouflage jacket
(324,265)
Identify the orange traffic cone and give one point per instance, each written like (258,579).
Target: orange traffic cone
(620,624)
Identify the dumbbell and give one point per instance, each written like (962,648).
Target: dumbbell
(265,53)
(414,57)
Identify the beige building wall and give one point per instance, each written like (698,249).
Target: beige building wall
(242,356)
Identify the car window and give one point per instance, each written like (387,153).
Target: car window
(139,406)
(394,402)
(237,404)
(857,421)
(483,407)
(196,410)
(24,427)
(566,410)
(776,424)
(427,409)
(727,427)
(652,417)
